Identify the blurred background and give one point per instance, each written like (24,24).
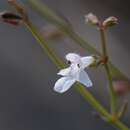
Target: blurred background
(27,76)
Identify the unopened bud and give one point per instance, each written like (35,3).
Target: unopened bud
(110,21)
(92,19)
(10,18)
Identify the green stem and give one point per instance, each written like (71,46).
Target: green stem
(123,109)
(38,36)
(81,89)
(103,42)
(109,76)
(120,125)
(111,90)
(108,118)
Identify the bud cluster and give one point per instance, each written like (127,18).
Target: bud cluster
(108,22)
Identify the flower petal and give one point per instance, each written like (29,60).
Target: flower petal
(75,70)
(84,79)
(65,72)
(63,84)
(72,57)
(86,61)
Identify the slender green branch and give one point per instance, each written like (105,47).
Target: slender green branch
(111,90)
(109,76)
(123,109)
(89,97)
(103,42)
(48,50)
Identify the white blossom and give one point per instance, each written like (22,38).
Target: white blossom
(75,72)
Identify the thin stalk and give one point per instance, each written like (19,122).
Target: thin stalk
(111,90)
(81,89)
(107,69)
(103,42)
(38,36)
(108,118)
(123,109)
(53,18)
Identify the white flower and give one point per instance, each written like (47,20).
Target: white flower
(74,73)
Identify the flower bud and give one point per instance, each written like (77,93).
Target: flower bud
(121,86)
(92,19)
(10,18)
(110,21)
